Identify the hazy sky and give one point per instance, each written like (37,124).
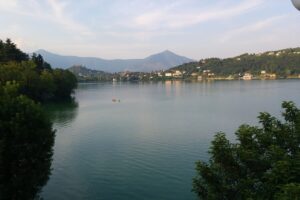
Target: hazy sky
(138,28)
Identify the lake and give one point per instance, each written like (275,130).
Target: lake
(146,145)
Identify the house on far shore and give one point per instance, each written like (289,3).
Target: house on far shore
(272,76)
(247,76)
(168,74)
(265,75)
(194,74)
(177,74)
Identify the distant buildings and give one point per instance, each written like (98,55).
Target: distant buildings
(265,75)
(271,53)
(177,74)
(168,74)
(247,76)
(207,74)
(174,74)
(194,74)
(199,75)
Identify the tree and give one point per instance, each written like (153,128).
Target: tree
(26,135)
(65,82)
(263,164)
(26,145)
(40,85)
(10,52)
(47,85)
(40,63)
(35,77)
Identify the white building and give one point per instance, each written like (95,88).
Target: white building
(168,74)
(178,73)
(247,76)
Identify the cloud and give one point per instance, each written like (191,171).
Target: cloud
(53,11)
(252,28)
(170,18)
(59,13)
(135,27)
(4,4)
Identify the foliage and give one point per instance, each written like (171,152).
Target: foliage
(65,82)
(284,63)
(264,164)
(35,77)
(9,52)
(40,63)
(26,135)
(26,141)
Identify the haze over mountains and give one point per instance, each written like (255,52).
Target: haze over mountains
(160,61)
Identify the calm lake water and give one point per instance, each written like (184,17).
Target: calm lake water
(146,145)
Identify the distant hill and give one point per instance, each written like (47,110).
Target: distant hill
(285,63)
(84,74)
(160,61)
(81,70)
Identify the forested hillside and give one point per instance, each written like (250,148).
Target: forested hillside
(284,63)
(84,74)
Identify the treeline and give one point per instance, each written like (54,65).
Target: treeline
(284,63)
(26,133)
(34,77)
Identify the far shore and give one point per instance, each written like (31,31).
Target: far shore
(187,80)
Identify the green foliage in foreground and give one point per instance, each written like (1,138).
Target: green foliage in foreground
(26,141)
(35,77)
(26,135)
(264,164)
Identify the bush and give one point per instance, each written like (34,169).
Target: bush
(263,164)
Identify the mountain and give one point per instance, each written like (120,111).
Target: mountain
(160,61)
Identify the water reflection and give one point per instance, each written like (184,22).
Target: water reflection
(62,113)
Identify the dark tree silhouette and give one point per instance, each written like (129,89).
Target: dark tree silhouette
(26,146)
(10,52)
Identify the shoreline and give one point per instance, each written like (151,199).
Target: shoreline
(189,80)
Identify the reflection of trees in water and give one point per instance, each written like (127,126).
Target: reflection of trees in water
(26,148)
(63,112)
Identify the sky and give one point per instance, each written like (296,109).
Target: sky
(138,28)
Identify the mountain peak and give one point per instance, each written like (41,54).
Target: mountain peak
(167,51)
(160,61)
(44,52)
(169,55)
(41,51)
